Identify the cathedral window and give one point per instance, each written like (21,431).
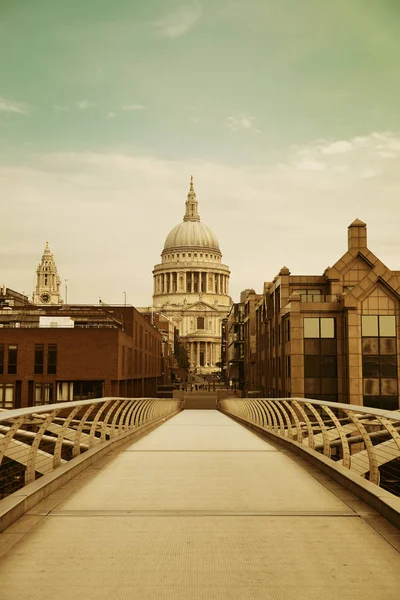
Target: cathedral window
(200,322)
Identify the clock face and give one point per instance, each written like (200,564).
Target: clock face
(45,297)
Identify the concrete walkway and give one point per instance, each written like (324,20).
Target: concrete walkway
(201,508)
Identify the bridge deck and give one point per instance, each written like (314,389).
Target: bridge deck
(200,508)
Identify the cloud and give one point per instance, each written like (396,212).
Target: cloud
(10,106)
(133,107)
(239,123)
(340,147)
(179,22)
(111,115)
(297,200)
(85,104)
(58,108)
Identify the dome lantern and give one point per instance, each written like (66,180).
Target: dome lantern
(191,233)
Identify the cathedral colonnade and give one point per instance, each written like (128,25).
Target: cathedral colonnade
(191,282)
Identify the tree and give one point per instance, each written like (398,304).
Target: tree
(180,352)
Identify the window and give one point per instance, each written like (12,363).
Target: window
(12,360)
(315,327)
(379,361)
(1,359)
(43,393)
(7,395)
(320,358)
(39,359)
(382,326)
(52,359)
(200,322)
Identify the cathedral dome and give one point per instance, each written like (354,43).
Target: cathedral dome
(191,233)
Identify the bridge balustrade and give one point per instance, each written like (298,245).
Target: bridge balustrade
(364,440)
(36,441)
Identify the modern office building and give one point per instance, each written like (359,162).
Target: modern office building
(334,336)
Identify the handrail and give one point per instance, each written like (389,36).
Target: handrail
(364,440)
(37,440)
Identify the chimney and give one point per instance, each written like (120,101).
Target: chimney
(357,235)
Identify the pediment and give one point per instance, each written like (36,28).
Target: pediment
(376,295)
(200,305)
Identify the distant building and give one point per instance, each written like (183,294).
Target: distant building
(191,287)
(47,291)
(61,353)
(234,332)
(334,336)
(10,298)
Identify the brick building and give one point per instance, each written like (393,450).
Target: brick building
(62,353)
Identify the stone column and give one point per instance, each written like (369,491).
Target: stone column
(198,354)
(184,282)
(192,286)
(200,283)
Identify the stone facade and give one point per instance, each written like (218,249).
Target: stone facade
(332,337)
(191,287)
(47,291)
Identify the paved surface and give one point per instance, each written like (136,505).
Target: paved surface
(201,508)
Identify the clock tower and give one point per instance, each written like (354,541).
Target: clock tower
(47,290)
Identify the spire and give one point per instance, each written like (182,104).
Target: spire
(191,213)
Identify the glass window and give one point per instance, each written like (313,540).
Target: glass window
(371,387)
(388,366)
(370,365)
(43,393)
(329,347)
(39,359)
(312,366)
(388,345)
(328,327)
(387,326)
(369,326)
(311,327)
(328,366)
(329,385)
(52,359)
(311,346)
(389,387)
(12,360)
(7,395)
(370,345)
(200,322)
(312,386)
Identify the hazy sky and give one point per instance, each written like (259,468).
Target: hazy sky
(285,111)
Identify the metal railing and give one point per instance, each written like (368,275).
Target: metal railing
(364,440)
(37,440)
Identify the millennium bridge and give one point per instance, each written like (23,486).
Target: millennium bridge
(200,497)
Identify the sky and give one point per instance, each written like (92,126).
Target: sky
(287,114)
